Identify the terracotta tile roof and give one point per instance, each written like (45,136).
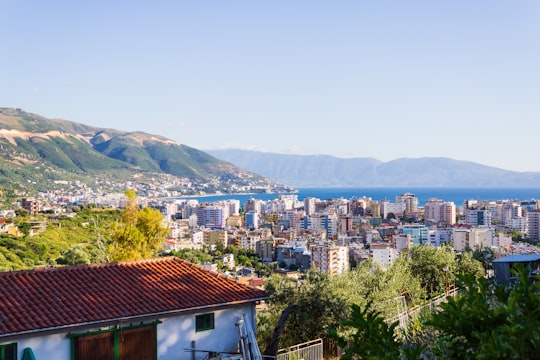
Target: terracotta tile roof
(60,297)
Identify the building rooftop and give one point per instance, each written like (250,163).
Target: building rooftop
(57,297)
(518,258)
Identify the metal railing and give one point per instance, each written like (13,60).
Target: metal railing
(404,317)
(311,350)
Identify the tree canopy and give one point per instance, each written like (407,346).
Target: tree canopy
(485,321)
(139,234)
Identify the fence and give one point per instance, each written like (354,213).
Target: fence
(404,317)
(311,350)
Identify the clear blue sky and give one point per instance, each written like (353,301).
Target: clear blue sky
(382,79)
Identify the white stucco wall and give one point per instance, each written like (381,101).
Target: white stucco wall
(174,336)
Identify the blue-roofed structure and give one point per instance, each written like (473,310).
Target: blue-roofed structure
(503,266)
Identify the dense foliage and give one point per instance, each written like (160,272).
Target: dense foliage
(320,301)
(485,321)
(66,239)
(140,233)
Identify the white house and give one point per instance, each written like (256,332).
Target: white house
(164,308)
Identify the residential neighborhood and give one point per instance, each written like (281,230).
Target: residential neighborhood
(327,234)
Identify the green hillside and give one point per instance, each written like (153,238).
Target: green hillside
(35,150)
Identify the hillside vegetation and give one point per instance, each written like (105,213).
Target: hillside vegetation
(66,240)
(34,151)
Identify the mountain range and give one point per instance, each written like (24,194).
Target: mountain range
(37,152)
(328,171)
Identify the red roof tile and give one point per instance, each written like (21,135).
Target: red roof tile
(55,297)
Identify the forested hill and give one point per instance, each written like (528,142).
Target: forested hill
(35,150)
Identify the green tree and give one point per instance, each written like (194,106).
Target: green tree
(432,265)
(140,234)
(483,322)
(77,254)
(467,264)
(490,322)
(313,307)
(367,336)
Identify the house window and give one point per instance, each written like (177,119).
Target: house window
(204,322)
(8,351)
(131,343)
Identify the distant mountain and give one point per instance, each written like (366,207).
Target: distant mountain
(329,171)
(36,151)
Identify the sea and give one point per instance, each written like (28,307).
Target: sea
(455,195)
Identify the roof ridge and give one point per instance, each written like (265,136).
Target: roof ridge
(50,268)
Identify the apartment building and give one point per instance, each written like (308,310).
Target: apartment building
(401,242)
(214,237)
(417,231)
(392,208)
(331,259)
(410,201)
(310,205)
(252,219)
(439,211)
(472,238)
(533,225)
(440,236)
(31,205)
(265,249)
(478,217)
(384,254)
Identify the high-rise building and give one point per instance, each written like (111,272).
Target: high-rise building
(252,220)
(265,249)
(392,208)
(331,259)
(375,209)
(310,205)
(410,201)
(439,211)
(533,225)
(253,205)
(476,217)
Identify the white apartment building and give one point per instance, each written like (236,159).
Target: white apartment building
(510,211)
(197,237)
(249,241)
(331,259)
(395,208)
(384,255)
(402,241)
(438,237)
(476,217)
(473,238)
(233,206)
(519,224)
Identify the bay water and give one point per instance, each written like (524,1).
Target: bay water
(456,195)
